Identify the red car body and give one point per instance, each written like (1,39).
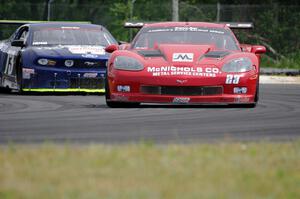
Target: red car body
(195,68)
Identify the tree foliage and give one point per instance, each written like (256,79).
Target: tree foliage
(276,22)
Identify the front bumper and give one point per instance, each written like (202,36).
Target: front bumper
(217,99)
(189,90)
(40,79)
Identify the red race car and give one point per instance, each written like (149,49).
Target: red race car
(183,63)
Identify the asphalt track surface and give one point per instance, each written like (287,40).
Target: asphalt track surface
(86,119)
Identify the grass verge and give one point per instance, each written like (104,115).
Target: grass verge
(225,170)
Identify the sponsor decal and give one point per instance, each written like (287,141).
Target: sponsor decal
(117,97)
(242,99)
(39,43)
(183,57)
(89,56)
(70,28)
(90,75)
(50,48)
(232,79)
(179,81)
(187,29)
(181,100)
(184,70)
(89,63)
(240,90)
(26,73)
(94,50)
(122,88)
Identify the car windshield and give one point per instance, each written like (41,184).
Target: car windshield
(151,37)
(71,36)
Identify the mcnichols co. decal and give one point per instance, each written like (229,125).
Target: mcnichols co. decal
(185,70)
(183,57)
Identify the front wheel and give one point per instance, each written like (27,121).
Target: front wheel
(19,75)
(252,105)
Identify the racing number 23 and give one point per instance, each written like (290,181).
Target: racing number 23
(232,79)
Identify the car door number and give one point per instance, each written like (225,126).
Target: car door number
(10,62)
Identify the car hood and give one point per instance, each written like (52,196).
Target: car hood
(177,54)
(71,51)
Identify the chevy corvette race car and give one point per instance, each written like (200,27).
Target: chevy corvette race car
(55,56)
(183,63)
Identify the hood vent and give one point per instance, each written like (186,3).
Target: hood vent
(150,53)
(217,54)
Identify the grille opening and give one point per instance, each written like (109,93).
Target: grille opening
(182,90)
(79,63)
(88,83)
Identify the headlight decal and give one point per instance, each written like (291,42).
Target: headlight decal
(238,65)
(69,63)
(127,63)
(43,61)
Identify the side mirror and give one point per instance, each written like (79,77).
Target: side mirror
(258,49)
(246,47)
(18,43)
(111,48)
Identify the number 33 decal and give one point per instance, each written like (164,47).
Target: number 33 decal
(232,79)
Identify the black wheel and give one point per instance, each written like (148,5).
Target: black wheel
(114,104)
(257,93)
(19,75)
(5,90)
(252,105)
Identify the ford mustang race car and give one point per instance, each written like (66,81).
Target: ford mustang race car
(55,56)
(183,63)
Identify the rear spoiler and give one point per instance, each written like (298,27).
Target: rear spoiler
(133,24)
(238,25)
(21,22)
(232,25)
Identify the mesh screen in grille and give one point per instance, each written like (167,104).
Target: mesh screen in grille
(183,90)
(91,83)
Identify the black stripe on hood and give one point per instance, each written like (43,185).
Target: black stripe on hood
(150,53)
(217,54)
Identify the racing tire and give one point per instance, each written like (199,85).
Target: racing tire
(5,90)
(253,105)
(257,93)
(19,75)
(116,104)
